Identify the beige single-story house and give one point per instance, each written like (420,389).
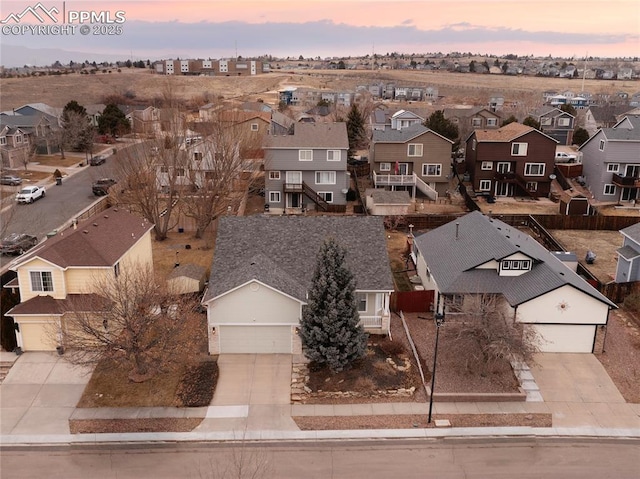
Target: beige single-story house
(263,267)
(478,254)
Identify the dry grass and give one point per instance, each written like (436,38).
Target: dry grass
(320,423)
(97,426)
(174,249)
(58,161)
(397,249)
(34,176)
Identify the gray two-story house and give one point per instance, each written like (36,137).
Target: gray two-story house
(611,161)
(307,170)
(556,123)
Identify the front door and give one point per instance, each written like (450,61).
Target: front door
(629,194)
(403,169)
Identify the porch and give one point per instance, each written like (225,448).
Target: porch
(412,180)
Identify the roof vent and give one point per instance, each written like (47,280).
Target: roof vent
(106,216)
(85,232)
(95,224)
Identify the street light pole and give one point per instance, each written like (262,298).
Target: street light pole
(439,320)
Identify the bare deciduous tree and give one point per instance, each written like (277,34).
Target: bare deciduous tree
(132,321)
(485,333)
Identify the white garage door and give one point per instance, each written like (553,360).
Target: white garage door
(563,338)
(34,337)
(255,339)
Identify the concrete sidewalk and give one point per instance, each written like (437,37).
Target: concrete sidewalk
(39,396)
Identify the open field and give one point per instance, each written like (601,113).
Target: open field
(57,90)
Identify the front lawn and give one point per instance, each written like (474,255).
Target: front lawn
(58,161)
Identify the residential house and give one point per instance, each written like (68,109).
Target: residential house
(15,146)
(404,119)
(39,121)
(480,255)
(603,117)
(145,121)
(625,73)
(628,266)
(468,119)
(55,276)
(431,94)
(611,161)
(634,100)
(556,123)
(249,128)
(281,124)
(262,271)
(514,160)
(307,169)
(496,102)
(411,158)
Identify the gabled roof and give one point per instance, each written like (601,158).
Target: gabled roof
(47,305)
(453,251)
(281,119)
(192,271)
(632,232)
(550,111)
(99,241)
(607,113)
(628,253)
(280,251)
(384,197)
(507,133)
(404,135)
(238,116)
(312,135)
(618,132)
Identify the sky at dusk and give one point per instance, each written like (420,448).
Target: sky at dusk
(190,29)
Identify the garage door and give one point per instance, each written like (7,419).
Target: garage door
(255,339)
(34,337)
(564,338)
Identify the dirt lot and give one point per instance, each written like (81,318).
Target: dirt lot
(603,243)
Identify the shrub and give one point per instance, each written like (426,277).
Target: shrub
(198,384)
(351,195)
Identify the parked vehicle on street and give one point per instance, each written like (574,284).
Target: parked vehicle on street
(101,187)
(562,157)
(16,243)
(10,180)
(30,194)
(97,160)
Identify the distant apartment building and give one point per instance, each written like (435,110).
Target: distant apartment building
(211,67)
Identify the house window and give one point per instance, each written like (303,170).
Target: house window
(116,269)
(609,189)
(532,186)
(361,299)
(305,155)
(274,197)
(487,165)
(476,122)
(164,169)
(274,175)
(326,195)
(534,169)
(41,281)
(385,166)
(564,121)
(485,185)
(516,265)
(325,177)
(492,122)
(18,138)
(254,127)
(519,149)
(197,156)
(601,147)
(179,171)
(414,149)
(613,167)
(333,155)
(431,169)
(3,140)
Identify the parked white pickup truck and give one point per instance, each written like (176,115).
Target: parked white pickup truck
(562,157)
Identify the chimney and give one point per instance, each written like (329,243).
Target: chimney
(457,230)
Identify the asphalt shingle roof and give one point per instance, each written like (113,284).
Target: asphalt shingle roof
(625,134)
(399,136)
(280,251)
(632,232)
(312,135)
(454,250)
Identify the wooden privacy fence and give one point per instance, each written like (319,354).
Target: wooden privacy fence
(411,301)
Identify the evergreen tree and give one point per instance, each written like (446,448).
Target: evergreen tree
(113,121)
(580,136)
(355,129)
(511,119)
(569,109)
(330,328)
(438,123)
(532,122)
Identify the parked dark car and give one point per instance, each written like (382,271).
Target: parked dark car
(17,244)
(97,160)
(10,180)
(101,187)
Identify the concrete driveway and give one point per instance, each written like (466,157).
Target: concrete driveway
(253,393)
(40,393)
(578,392)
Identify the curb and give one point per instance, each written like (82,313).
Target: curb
(314,436)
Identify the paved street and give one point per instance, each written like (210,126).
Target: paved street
(442,459)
